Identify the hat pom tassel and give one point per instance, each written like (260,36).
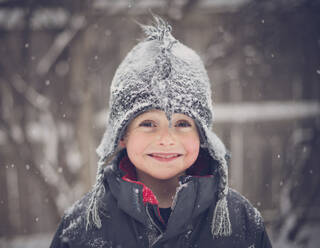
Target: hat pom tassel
(221,225)
(93,210)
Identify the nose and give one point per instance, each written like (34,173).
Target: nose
(166,138)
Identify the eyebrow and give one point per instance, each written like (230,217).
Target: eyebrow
(155,118)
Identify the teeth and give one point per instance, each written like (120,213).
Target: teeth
(165,156)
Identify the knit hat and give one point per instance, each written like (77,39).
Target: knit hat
(162,73)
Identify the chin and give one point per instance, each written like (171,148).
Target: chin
(165,176)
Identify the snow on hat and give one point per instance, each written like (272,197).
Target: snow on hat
(162,73)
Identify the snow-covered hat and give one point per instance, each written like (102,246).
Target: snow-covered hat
(162,73)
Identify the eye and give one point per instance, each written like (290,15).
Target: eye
(147,123)
(183,123)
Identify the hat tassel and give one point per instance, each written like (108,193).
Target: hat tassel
(221,225)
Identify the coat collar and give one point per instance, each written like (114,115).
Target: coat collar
(196,193)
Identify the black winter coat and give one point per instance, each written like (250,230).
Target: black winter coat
(131,218)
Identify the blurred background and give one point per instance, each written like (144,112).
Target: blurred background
(57,60)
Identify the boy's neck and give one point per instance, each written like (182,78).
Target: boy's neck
(164,190)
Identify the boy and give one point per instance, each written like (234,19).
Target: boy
(162,177)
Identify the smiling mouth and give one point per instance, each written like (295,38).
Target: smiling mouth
(165,157)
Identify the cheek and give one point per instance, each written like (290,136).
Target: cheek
(193,149)
(192,146)
(136,144)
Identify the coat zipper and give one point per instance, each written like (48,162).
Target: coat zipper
(155,225)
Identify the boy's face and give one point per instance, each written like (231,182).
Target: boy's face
(159,151)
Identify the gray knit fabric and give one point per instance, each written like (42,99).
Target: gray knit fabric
(162,73)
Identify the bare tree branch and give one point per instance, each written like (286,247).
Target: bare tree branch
(77,22)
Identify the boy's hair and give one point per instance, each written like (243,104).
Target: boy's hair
(162,73)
